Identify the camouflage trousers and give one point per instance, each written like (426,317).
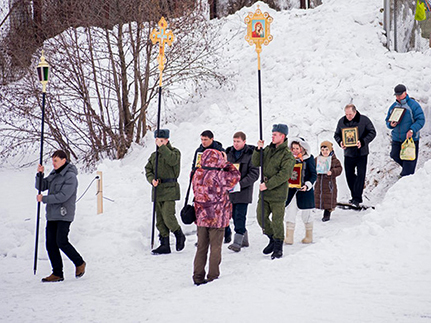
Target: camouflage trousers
(165,218)
(273,227)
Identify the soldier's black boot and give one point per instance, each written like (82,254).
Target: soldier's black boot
(270,247)
(278,249)
(181,239)
(164,247)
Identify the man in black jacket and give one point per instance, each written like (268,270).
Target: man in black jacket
(207,142)
(355,157)
(240,156)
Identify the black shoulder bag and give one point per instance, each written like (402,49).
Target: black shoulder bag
(188,215)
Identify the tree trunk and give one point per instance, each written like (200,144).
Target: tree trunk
(213,9)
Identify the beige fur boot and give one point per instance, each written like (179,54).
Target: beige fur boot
(290,229)
(308,233)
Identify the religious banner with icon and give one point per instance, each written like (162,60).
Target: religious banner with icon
(296,180)
(258,32)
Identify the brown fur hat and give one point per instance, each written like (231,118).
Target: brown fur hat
(328,144)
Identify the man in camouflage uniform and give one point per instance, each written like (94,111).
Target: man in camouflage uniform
(278,163)
(168,190)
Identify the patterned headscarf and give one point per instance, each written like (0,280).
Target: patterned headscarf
(212,158)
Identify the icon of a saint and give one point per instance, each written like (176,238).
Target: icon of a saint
(258,31)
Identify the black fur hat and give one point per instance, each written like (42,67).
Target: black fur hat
(282,128)
(162,133)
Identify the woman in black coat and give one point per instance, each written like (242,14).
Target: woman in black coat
(304,195)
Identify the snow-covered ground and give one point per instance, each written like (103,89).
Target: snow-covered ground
(371,266)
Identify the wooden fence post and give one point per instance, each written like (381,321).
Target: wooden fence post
(99,193)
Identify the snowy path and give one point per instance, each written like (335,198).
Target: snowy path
(350,271)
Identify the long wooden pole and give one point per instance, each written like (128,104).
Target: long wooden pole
(156,166)
(162,37)
(36,244)
(262,178)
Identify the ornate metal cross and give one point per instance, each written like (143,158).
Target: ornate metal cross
(163,37)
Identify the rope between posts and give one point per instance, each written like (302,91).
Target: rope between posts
(88,187)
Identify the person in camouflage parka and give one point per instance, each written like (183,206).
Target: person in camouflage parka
(211,183)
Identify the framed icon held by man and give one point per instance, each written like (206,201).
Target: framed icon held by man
(397,114)
(349,136)
(198,159)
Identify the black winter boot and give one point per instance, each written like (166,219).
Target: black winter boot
(278,249)
(181,239)
(270,247)
(164,247)
(326,215)
(227,235)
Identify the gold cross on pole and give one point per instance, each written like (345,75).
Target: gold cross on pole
(163,37)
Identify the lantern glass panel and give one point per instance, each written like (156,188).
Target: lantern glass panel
(39,74)
(45,73)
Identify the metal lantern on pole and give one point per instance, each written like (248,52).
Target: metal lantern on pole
(43,75)
(258,33)
(43,72)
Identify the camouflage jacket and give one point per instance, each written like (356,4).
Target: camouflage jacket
(211,184)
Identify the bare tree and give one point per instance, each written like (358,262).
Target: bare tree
(103,81)
(235,5)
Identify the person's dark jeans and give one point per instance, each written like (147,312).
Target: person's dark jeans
(355,169)
(239,213)
(227,234)
(408,166)
(56,240)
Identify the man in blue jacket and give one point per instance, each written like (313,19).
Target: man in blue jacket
(412,120)
(60,201)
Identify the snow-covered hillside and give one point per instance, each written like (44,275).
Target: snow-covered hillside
(371,266)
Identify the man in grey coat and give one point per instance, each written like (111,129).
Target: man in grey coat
(62,185)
